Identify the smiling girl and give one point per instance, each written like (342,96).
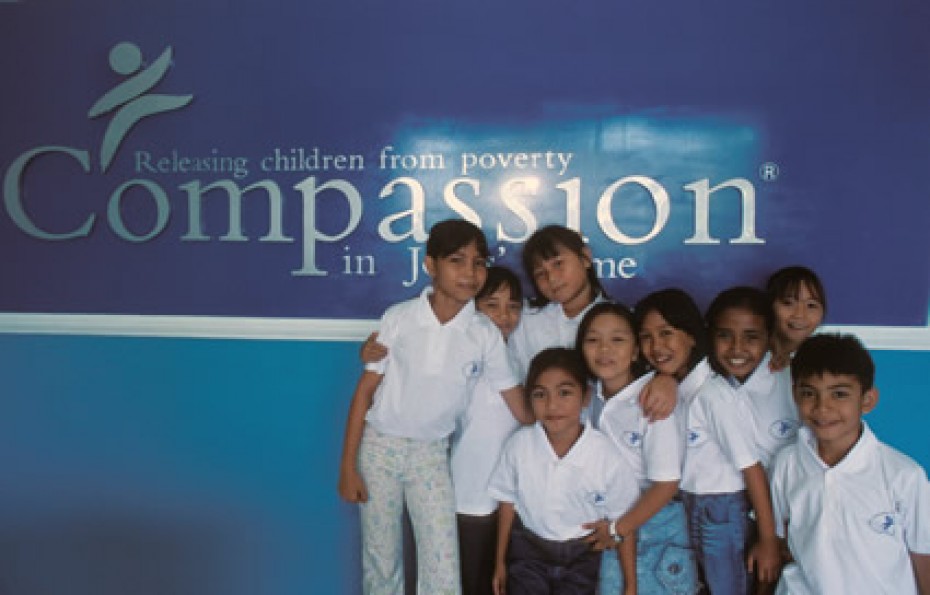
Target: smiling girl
(799,304)
(561,268)
(395,448)
(654,450)
(723,477)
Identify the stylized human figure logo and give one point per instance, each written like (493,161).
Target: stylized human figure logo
(129,96)
(883,522)
(783,429)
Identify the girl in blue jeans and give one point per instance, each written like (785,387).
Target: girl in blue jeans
(723,478)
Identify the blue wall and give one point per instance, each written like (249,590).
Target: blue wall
(209,466)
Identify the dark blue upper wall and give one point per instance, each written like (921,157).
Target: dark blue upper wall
(672,91)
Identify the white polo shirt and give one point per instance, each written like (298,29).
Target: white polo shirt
(654,450)
(774,413)
(542,328)
(476,446)
(554,496)
(687,390)
(719,442)
(850,526)
(431,368)
(690,385)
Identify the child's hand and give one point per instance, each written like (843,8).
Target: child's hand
(659,397)
(600,538)
(372,351)
(765,559)
(499,580)
(779,361)
(352,486)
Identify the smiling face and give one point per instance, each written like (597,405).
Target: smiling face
(502,309)
(797,316)
(609,347)
(740,341)
(832,406)
(458,276)
(563,279)
(557,398)
(667,348)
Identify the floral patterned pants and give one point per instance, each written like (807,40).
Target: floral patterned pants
(395,471)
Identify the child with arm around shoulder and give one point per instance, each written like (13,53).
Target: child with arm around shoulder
(560,267)
(551,479)
(855,512)
(406,406)
(654,451)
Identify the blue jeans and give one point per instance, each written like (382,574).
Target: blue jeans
(665,562)
(720,535)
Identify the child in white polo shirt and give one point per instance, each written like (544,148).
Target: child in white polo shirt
(560,267)
(477,441)
(552,478)
(405,407)
(855,512)
(654,450)
(723,477)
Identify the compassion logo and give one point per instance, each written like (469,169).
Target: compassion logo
(504,183)
(129,101)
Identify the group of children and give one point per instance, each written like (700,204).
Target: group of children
(651,450)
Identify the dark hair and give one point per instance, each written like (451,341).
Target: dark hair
(446,237)
(617,309)
(787,282)
(498,277)
(555,357)
(679,311)
(543,245)
(744,298)
(833,353)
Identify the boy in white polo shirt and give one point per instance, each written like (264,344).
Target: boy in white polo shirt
(405,407)
(855,512)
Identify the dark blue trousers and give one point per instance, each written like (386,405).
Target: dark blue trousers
(537,566)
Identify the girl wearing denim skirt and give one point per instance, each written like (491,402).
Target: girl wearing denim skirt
(607,339)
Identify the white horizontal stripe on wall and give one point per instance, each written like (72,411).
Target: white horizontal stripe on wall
(318,329)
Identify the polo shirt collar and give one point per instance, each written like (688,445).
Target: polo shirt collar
(573,452)
(695,378)
(425,311)
(856,460)
(560,312)
(762,379)
(628,393)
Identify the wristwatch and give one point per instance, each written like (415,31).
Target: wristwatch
(613,533)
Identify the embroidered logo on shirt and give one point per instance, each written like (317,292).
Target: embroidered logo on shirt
(884,523)
(695,438)
(598,499)
(633,439)
(472,369)
(784,429)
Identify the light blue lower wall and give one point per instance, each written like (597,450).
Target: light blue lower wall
(186,466)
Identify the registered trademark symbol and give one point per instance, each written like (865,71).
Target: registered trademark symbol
(768,171)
